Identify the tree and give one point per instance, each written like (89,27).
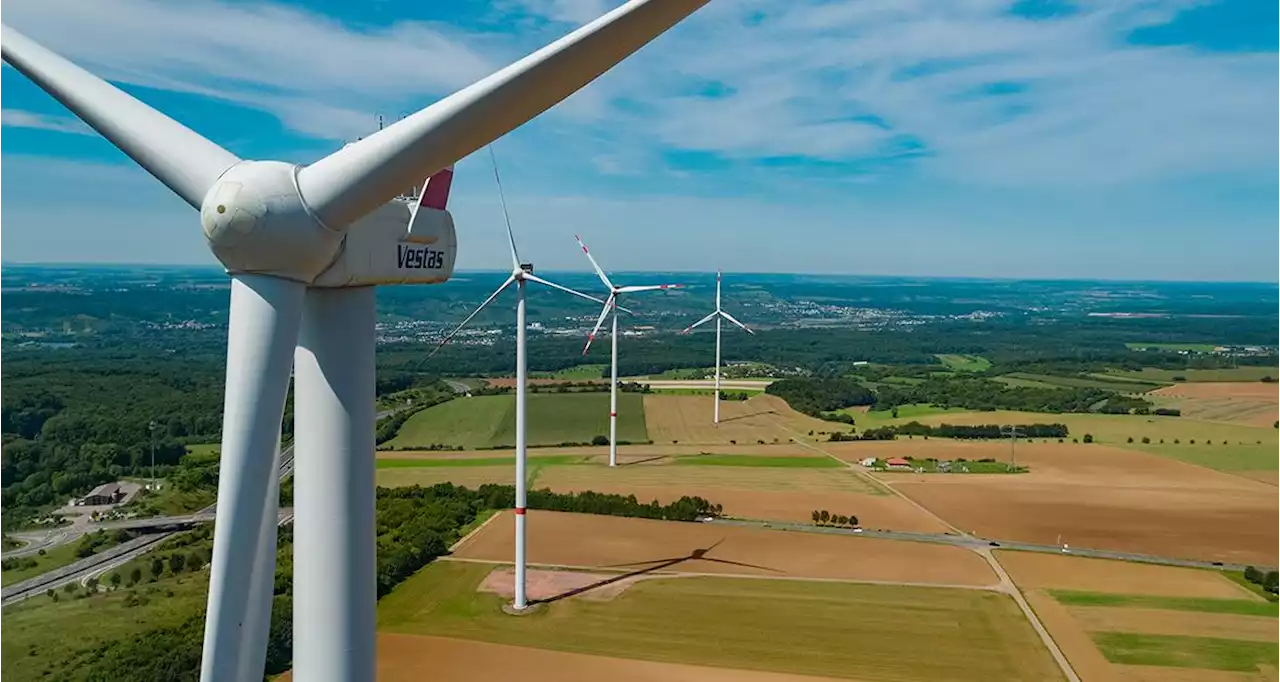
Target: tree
(194,561)
(115,580)
(853,520)
(176,562)
(51,594)
(825,516)
(1253,575)
(1130,439)
(600,440)
(157,568)
(135,576)
(1088,438)
(842,520)
(894,412)
(1145,440)
(817,516)
(1271,582)
(91,584)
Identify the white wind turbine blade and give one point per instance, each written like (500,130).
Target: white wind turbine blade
(179,157)
(717,289)
(729,317)
(603,314)
(704,320)
(362,176)
(600,273)
(511,237)
(475,312)
(654,287)
(533,278)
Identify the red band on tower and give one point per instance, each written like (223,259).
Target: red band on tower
(519,511)
(613,414)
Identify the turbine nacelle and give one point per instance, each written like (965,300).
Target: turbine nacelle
(256,221)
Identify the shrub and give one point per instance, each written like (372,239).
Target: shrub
(1088,437)
(600,440)
(1145,440)
(1130,439)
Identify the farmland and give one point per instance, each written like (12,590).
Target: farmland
(965,363)
(489,421)
(1253,404)
(764,552)
(1119,620)
(1093,496)
(757,624)
(687,419)
(1169,376)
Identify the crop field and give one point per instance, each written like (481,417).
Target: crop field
(1174,347)
(489,421)
(1167,376)
(1063,573)
(793,462)
(1254,404)
(411,658)
(1101,381)
(745,623)
(469,476)
(575,373)
(766,493)
(555,539)
(687,419)
(1091,496)
(965,363)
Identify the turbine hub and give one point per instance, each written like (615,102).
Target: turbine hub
(256,221)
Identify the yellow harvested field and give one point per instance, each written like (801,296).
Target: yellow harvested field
(470,477)
(556,539)
(626,453)
(1034,570)
(1165,622)
(774,494)
(1250,403)
(687,419)
(1162,673)
(412,658)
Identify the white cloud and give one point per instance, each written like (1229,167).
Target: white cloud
(17,118)
(852,82)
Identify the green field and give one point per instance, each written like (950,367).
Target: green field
(817,628)
(873,418)
(1174,347)
(55,557)
(45,640)
(456,462)
(1167,375)
(1231,457)
(1205,653)
(930,466)
(204,448)
(1099,382)
(965,363)
(489,421)
(806,462)
(1241,607)
(575,373)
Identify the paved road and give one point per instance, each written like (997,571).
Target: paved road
(976,543)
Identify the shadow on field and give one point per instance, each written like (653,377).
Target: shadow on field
(646,460)
(657,565)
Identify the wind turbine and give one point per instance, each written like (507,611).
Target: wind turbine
(611,305)
(520,274)
(717,315)
(304,246)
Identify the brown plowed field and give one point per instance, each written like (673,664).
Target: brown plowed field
(687,419)
(562,539)
(774,494)
(412,658)
(1165,622)
(1252,403)
(1034,570)
(1093,496)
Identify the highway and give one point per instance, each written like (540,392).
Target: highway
(976,543)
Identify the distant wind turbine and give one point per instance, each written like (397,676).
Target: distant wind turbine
(611,305)
(520,274)
(716,315)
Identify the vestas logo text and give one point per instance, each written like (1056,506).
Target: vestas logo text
(419,257)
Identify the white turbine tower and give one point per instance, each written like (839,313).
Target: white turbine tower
(717,315)
(520,273)
(611,305)
(304,246)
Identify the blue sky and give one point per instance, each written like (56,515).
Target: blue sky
(1128,139)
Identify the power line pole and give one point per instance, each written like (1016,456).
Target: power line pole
(152,428)
(1013,445)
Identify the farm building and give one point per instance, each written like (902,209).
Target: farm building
(107,493)
(867,461)
(897,463)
